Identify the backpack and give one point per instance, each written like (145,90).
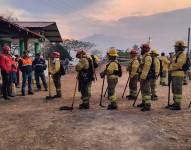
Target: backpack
(187,64)
(151,74)
(119,72)
(62,69)
(161,67)
(95,64)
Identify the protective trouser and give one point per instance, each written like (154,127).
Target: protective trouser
(153,86)
(57,84)
(27,77)
(111,89)
(163,78)
(5,86)
(85,89)
(145,91)
(41,76)
(133,85)
(177,89)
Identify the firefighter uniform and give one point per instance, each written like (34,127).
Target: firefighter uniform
(133,75)
(155,75)
(111,72)
(55,72)
(25,65)
(145,79)
(165,65)
(178,74)
(84,79)
(6,66)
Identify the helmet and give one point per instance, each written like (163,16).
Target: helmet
(97,59)
(6,48)
(133,51)
(113,52)
(80,53)
(145,47)
(154,51)
(56,54)
(180,43)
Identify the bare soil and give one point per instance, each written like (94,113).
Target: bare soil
(31,123)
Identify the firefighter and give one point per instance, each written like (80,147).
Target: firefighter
(145,77)
(25,65)
(39,66)
(55,72)
(133,75)
(155,74)
(178,74)
(6,67)
(85,77)
(112,73)
(164,69)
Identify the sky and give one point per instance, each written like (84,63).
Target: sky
(82,18)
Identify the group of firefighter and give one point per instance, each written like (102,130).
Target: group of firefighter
(145,68)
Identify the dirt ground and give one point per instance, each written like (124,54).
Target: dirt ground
(30,123)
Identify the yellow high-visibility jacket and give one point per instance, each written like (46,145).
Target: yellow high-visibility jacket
(157,66)
(111,67)
(145,66)
(55,66)
(165,63)
(133,67)
(176,66)
(83,64)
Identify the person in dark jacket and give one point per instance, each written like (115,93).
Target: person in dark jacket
(39,66)
(6,66)
(25,65)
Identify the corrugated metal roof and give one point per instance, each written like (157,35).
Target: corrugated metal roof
(48,29)
(9,27)
(34,24)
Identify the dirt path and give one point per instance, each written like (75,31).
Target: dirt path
(28,123)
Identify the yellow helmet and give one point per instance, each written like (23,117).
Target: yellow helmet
(113,52)
(180,43)
(154,51)
(96,58)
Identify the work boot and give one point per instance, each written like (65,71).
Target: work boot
(6,98)
(154,98)
(130,97)
(175,107)
(30,93)
(23,93)
(84,106)
(147,107)
(112,106)
(141,105)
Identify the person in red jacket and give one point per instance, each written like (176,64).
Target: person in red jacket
(6,66)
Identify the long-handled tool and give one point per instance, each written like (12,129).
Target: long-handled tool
(126,87)
(49,97)
(73,99)
(101,98)
(106,92)
(136,97)
(169,89)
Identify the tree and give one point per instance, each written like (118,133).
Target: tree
(76,45)
(59,48)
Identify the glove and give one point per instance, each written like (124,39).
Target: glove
(102,74)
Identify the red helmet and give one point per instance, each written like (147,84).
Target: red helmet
(56,54)
(80,53)
(6,48)
(134,52)
(145,47)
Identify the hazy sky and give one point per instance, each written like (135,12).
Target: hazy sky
(82,18)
